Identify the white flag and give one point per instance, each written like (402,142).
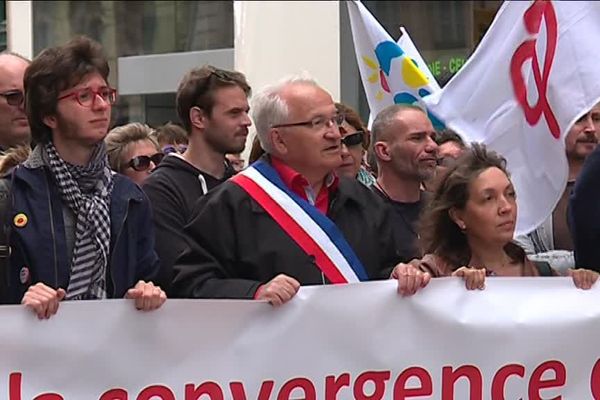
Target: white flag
(391,74)
(533,75)
(406,44)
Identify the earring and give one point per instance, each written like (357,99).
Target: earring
(462,226)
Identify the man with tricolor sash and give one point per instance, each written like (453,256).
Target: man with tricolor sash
(288,220)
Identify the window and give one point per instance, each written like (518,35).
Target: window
(132,28)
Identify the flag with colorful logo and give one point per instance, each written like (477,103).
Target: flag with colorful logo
(391,73)
(533,75)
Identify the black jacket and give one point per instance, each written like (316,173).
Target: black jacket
(235,246)
(173,188)
(584,214)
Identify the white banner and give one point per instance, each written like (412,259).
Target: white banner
(520,338)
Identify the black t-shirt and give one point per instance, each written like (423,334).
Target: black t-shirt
(406,217)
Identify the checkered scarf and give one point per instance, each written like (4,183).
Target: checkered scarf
(86,190)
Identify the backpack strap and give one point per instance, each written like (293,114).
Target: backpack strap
(543,268)
(5,198)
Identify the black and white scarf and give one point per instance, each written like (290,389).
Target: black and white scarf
(86,190)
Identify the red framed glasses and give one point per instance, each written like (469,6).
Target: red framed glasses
(87,97)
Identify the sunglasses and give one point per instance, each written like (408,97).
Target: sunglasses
(180,148)
(446,161)
(13,97)
(353,139)
(142,163)
(207,75)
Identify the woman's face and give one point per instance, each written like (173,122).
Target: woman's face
(139,159)
(352,150)
(490,213)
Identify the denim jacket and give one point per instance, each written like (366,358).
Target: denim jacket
(38,248)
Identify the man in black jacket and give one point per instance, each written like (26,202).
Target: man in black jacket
(213,106)
(239,248)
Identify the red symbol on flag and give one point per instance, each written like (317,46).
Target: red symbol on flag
(533,22)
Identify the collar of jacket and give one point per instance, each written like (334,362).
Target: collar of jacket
(348,190)
(35,169)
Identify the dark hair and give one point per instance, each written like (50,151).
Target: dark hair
(171,133)
(439,234)
(198,86)
(448,135)
(352,117)
(387,117)
(56,69)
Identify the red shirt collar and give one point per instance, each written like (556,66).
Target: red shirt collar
(299,184)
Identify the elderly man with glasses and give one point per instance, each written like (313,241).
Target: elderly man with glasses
(288,220)
(77,231)
(14,129)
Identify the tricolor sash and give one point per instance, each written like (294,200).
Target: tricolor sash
(313,231)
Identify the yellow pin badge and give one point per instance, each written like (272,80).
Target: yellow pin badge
(20,220)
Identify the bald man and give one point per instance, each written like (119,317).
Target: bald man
(14,129)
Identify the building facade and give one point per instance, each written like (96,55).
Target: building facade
(150,44)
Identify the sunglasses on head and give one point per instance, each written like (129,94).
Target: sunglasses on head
(353,139)
(170,148)
(13,97)
(142,163)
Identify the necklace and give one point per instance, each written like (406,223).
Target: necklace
(505,264)
(407,223)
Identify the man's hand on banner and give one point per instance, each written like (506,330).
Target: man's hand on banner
(474,277)
(147,296)
(410,278)
(583,278)
(43,300)
(278,290)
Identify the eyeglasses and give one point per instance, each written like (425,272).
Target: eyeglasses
(87,97)
(353,139)
(318,123)
(13,97)
(142,163)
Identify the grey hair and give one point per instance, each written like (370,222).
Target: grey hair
(386,117)
(120,137)
(269,109)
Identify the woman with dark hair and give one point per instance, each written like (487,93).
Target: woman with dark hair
(355,142)
(471,221)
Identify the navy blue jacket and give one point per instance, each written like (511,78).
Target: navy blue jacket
(584,214)
(39,249)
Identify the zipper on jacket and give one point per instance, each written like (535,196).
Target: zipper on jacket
(112,256)
(53,233)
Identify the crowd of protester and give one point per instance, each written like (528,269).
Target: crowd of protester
(148,213)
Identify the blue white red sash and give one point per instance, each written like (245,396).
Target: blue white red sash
(314,232)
